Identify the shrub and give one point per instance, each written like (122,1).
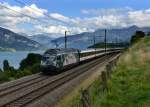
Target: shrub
(28,66)
(148,34)
(35,68)
(30,61)
(1,70)
(22,73)
(5,65)
(137,36)
(3,77)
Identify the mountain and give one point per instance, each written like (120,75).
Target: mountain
(14,41)
(80,41)
(45,38)
(86,39)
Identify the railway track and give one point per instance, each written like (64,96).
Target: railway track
(15,83)
(22,94)
(23,84)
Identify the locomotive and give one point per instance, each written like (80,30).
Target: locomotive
(56,60)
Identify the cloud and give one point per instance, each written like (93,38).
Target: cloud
(112,18)
(110,11)
(51,29)
(60,29)
(11,19)
(60,17)
(57,23)
(140,17)
(103,18)
(69,21)
(16,21)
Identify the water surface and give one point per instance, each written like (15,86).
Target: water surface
(14,58)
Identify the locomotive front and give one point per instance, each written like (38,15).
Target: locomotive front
(48,62)
(56,60)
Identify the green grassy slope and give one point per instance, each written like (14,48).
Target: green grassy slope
(130,82)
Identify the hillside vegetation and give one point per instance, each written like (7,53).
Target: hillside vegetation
(10,41)
(130,82)
(28,66)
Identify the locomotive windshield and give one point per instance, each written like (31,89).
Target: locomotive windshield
(44,58)
(51,58)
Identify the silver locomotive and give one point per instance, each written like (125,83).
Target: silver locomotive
(55,60)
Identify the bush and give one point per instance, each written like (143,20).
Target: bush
(3,77)
(28,66)
(137,36)
(5,65)
(35,68)
(22,73)
(30,61)
(1,70)
(148,34)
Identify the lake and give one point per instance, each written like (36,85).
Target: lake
(14,58)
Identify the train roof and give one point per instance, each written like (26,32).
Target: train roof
(61,50)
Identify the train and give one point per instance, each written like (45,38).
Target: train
(57,60)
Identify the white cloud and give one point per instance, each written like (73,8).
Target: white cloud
(140,17)
(60,29)
(51,29)
(11,19)
(60,17)
(109,11)
(93,19)
(110,18)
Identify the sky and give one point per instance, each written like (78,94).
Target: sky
(55,16)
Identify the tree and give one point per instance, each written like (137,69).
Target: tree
(6,65)
(148,34)
(137,36)
(30,61)
(0,70)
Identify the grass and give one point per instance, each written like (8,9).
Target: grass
(130,82)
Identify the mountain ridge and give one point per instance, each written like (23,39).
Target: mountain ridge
(86,39)
(14,41)
(9,39)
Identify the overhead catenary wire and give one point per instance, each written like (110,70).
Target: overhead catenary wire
(24,4)
(45,22)
(39,20)
(45,14)
(31,17)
